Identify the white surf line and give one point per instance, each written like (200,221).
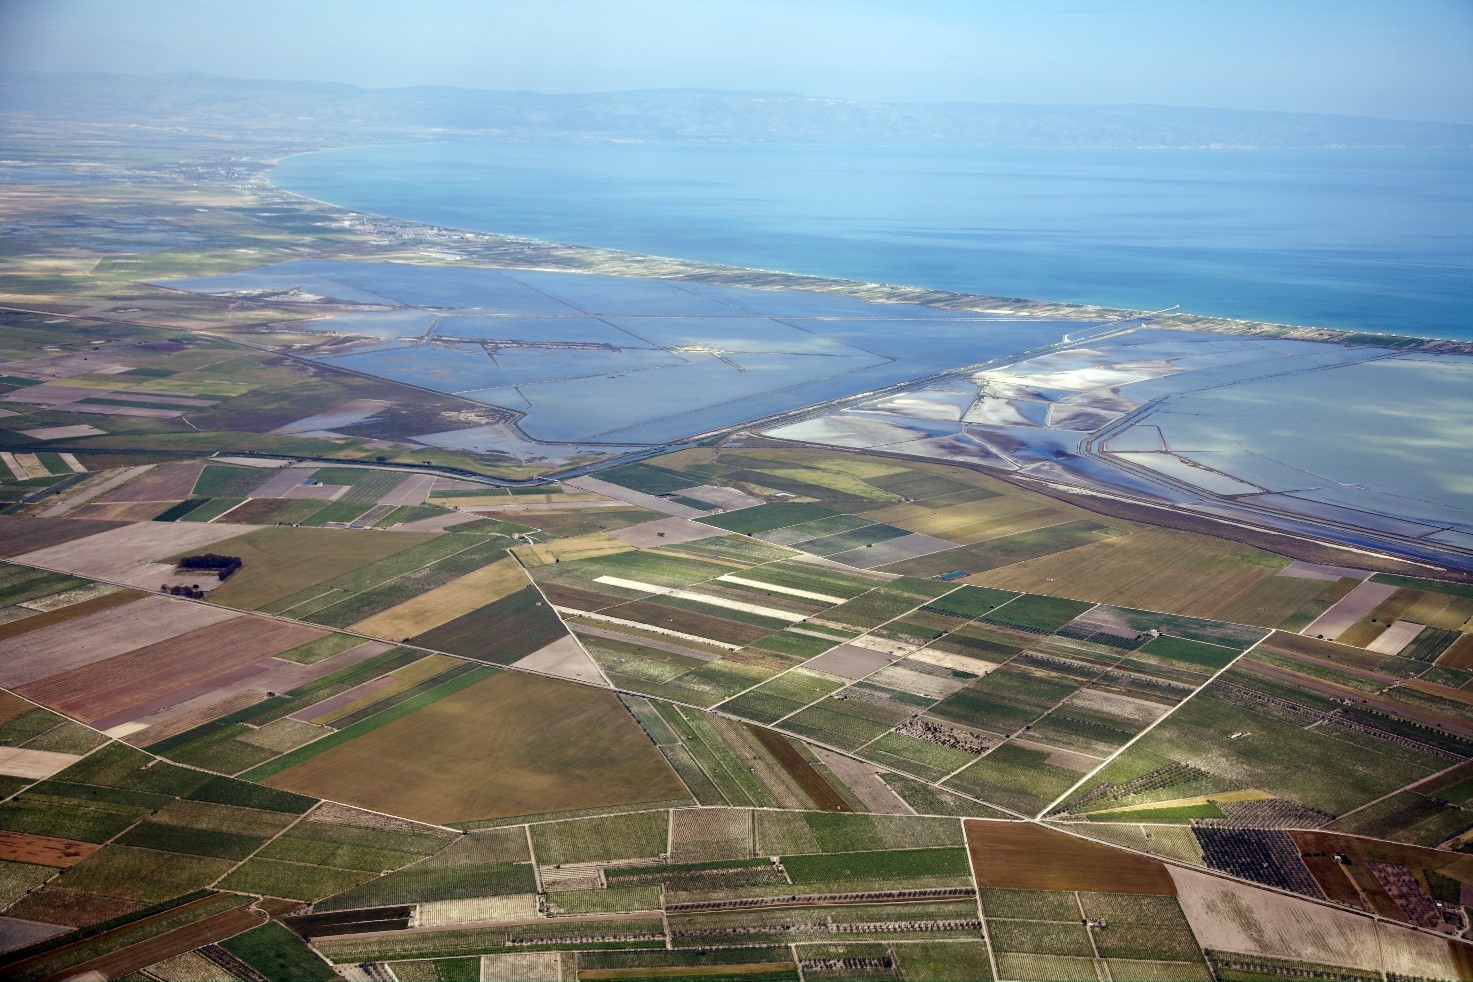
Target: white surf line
(1164,717)
(790,591)
(701,598)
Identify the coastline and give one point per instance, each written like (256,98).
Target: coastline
(513,251)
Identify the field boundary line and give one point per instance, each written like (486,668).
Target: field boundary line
(981,914)
(699,766)
(1046,713)
(289,826)
(1404,787)
(841,688)
(576,640)
(1163,718)
(617,690)
(716,758)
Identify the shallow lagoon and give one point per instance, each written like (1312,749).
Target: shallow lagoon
(1356,435)
(625,360)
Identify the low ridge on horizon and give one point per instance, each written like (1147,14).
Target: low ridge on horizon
(711,115)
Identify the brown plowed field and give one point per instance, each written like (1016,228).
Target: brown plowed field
(104,688)
(166,482)
(205,931)
(96,637)
(1283,643)
(22,535)
(125,961)
(1332,879)
(118,511)
(61,615)
(74,908)
(825,798)
(1460,655)
(511,744)
(1363,850)
(43,850)
(567,596)
(194,717)
(689,622)
(1024,856)
(12,707)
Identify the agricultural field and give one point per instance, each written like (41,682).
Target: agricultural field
(485,751)
(746,710)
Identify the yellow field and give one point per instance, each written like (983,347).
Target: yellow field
(577,547)
(1440,610)
(977,521)
(1157,569)
(1251,794)
(445,603)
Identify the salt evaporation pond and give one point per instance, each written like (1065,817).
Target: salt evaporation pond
(620,360)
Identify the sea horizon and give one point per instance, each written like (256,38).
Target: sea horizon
(730,214)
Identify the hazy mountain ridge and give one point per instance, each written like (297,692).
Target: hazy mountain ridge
(688,115)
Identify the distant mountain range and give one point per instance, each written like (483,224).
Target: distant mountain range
(686,115)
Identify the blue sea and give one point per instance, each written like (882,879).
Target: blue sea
(1376,240)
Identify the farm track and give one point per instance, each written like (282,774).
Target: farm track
(125,961)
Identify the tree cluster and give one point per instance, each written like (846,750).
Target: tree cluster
(222,566)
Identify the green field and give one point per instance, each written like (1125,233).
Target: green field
(765,518)
(279,955)
(1036,614)
(900,864)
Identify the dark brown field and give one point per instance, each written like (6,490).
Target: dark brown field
(501,632)
(689,622)
(100,690)
(12,707)
(19,536)
(43,850)
(57,905)
(63,614)
(825,798)
(124,961)
(1293,645)
(567,596)
(1363,850)
(166,482)
(1024,856)
(1460,655)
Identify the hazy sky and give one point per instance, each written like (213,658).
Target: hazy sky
(1408,59)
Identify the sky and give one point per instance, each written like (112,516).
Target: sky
(1400,59)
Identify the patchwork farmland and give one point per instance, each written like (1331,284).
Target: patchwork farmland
(740,710)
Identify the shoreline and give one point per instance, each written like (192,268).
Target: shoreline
(706,271)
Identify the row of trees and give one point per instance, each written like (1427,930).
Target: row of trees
(222,566)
